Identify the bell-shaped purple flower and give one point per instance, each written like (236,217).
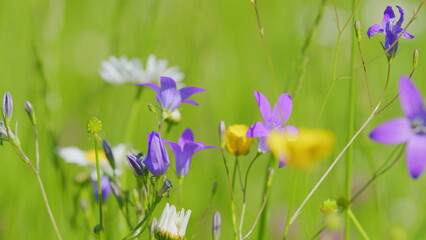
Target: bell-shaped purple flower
(410,129)
(273,119)
(184,150)
(136,165)
(391,29)
(169,97)
(157,159)
(105,188)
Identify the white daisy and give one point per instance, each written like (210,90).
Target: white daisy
(172,225)
(156,68)
(88,158)
(123,70)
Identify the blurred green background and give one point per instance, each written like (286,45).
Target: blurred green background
(51,53)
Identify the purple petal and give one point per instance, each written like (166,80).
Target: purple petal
(170,98)
(263,104)
(416,155)
(157,159)
(394,131)
(105,188)
(283,159)
(262,145)
(176,148)
(202,147)
(291,129)
(282,109)
(410,98)
(183,161)
(257,130)
(387,15)
(187,136)
(373,30)
(190,101)
(406,35)
(150,85)
(187,92)
(401,18)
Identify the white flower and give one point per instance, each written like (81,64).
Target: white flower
(156,68)
(123,70)
(88,158)
(172,225)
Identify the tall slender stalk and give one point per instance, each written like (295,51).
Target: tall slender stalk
(290,206)
(266,189)
(98,175)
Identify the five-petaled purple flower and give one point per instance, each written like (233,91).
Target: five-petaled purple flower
(105,188)
(410,129)
(183,151)
(157,159)
(273,119)
(390,29)
(169,97)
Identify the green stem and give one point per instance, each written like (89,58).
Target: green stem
(266,190)
(351,129)
(290,206)
(357,224)
(98,174)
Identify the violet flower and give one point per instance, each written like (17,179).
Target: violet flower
(390,29)
(157,159)
(169,97)
(105,188)
(273,119)
(410,129)
(184,150)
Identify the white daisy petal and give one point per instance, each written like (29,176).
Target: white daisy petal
(73,155)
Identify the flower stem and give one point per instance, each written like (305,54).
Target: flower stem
(46,202)
(98,175)
(266,191)
(351,129)
(290,206)
(357,224)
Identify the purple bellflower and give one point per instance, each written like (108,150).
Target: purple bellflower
(273,119)
(105,188)
(157,159)
(184,150)
(169,97)
(390,29)
(410,129)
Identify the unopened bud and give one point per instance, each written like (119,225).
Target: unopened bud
(151,108)
(174,117)
(216,225)
(7,108)
(357,26)
(108,153)
(165,189)
(222,134)
(135,165)
(415,58)
(30,111)
(329,206)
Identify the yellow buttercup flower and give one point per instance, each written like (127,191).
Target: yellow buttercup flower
(303,149)
(236,141)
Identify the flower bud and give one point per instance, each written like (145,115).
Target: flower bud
(30,111)
(108,153)
(329,206)
(415,58)
(7,108)
(157,159)
(165,189)
(136,165)
(357,26)
(222,134)
(173,117)
(216,225)
(236,141)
